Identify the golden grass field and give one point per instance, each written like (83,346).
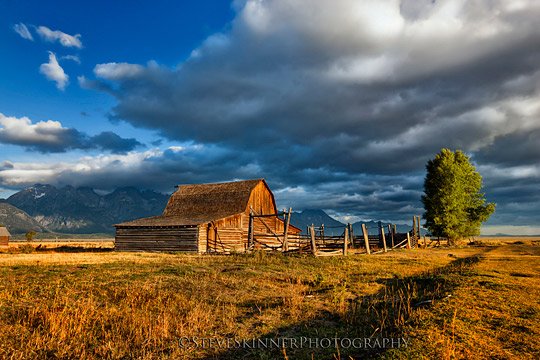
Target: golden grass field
(81,300)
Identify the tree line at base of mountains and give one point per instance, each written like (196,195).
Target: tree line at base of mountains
(454,206)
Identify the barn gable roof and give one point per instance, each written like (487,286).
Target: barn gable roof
(213,200)
(199,203)
(4,231)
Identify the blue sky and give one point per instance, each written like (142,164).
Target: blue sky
(337,104)
(126,31)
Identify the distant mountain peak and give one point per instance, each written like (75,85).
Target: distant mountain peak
(37,187)
(316,217)
(16,220)
(82,210)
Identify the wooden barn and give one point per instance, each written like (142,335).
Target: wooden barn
(4,236)
(221,217)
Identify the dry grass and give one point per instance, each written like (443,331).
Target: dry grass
(85,301)
(495,310)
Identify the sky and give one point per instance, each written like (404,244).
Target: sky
(337,104)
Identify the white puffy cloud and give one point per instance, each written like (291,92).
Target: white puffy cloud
(63,38)
(115,71)
(23,31)
(23,131)
(51,136)
(54,72)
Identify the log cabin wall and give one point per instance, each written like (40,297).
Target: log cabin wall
(225,235)
(173,238)
(227,240)
(202,238)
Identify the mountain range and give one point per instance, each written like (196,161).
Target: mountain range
(82,211)
(16,220)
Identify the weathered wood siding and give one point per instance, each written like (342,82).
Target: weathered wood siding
(234,221)
(231,233)
(202,233)
(262,202)
(225,235)
(183,239)
(4,240)
(229,239)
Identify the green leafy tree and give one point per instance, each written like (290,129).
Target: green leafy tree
(455,207)
(30,235)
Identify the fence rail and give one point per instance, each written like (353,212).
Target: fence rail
(320,244)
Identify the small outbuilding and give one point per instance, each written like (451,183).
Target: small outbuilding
(5,236)
(200,218)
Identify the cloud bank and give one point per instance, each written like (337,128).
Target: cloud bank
(362,196)
(51,137)
(351,81)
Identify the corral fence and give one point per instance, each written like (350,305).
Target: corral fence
(318,243)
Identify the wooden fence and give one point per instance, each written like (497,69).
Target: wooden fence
(319,244)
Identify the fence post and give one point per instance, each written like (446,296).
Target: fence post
(250,230)
(381,230)
(351,235)
(286,231)
(366,238)
(408,240)
(391,234)
(413,225)
(313,244)
(418,225)
(346,240)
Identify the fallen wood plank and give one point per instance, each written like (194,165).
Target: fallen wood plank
(329,253)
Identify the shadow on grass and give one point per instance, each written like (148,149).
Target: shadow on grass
(74,249)
(367,319)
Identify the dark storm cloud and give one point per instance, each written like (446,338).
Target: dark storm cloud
(160,170)
(522,147)
(51,137)
(515,190)
(369,195)
(295,88)
(108,140)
